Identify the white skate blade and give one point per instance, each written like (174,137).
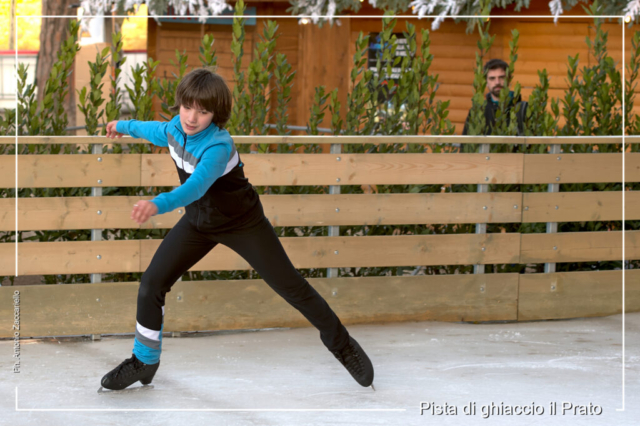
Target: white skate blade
(126,390)
(374,389)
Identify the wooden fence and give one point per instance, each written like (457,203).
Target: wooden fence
(103,308)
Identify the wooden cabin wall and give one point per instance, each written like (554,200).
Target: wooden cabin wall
(164,39)
(628,36)
(324,56)
(542,44)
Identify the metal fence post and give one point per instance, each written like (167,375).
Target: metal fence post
(96,191)
(553,226)
(334,231)
(481,228)
(96,234)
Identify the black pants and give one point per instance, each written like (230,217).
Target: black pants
(259,245)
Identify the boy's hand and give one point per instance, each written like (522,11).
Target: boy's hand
(143,210)
(111,130)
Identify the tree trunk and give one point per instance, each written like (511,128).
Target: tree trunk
(12,28)
(53,32)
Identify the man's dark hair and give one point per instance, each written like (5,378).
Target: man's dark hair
(203,88)
(492,64)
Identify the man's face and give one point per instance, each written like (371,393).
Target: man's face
(496,79)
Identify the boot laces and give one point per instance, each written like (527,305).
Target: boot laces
(128,367)
(350,357)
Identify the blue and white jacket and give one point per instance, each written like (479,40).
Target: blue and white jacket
(214,190)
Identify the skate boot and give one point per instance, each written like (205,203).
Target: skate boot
(356,362)
(128,372)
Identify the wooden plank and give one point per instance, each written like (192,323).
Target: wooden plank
(446,90)
(554,55)
(579,206)
(578,246)
(532,29)
(326,169)
(632,244)
(404,250)
(81,170)
(7,214)
(552,41)
(632,167)
(303,139)
(562,295)
(314,70)
(80,257)
(105,308)
(8,259)
(443,64)
(357,169)
(7,171)
(444,51)
(377,140)
(391,209)
(355,300)
(573,168)
(57,213)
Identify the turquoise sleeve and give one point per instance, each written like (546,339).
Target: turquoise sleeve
(153,131)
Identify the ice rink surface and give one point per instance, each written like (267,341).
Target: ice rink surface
(252,378)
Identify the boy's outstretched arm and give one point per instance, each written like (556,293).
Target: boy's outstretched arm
(153,131)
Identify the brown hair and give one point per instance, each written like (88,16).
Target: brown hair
(493,64)
(205,89)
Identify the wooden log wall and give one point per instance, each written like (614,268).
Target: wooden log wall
(324,56)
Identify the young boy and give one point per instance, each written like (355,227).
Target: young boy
(222,207)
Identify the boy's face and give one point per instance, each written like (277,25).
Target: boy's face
(194,119)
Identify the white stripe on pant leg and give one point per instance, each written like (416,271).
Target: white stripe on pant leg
(148,333)
(163,310)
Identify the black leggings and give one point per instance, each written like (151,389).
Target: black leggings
(259,245)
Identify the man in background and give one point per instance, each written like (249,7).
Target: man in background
(495,71)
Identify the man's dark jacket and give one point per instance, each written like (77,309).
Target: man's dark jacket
(490,114)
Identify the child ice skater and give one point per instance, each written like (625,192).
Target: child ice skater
(222,207)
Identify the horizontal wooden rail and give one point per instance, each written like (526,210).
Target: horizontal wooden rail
(326,139)
(107,212)
(632,139)
(114,212)
(563,295)
(87,170)
(85,257)
(579,246)
(106,308)
(579,206)
(580,168)
(74,309)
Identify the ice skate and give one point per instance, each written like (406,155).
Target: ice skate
(128,372)
(357,363)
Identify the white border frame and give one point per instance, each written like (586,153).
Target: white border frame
(622,17)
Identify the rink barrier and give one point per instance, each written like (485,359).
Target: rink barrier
(103,308)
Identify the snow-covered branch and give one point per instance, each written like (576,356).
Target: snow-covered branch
(327,9)
(632,9)
(446,7)
(203,8)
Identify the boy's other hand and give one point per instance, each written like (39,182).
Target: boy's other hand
(111,130)
(143,210)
